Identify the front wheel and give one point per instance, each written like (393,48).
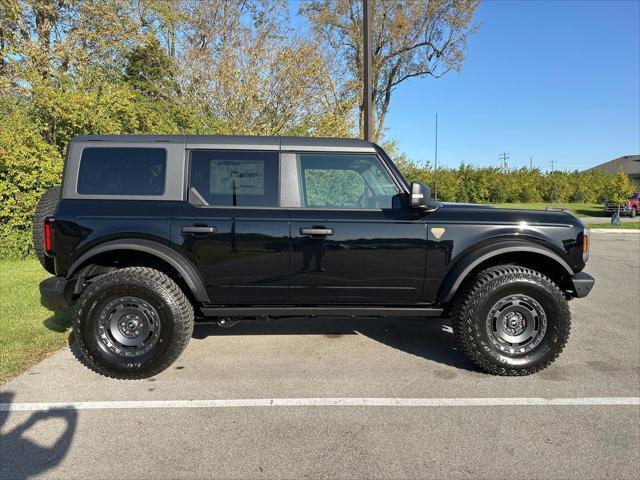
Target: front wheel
(511,320)
(132,323)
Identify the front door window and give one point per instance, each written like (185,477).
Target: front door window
(345,182)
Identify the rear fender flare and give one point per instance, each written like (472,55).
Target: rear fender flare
(471,260)
(183,265)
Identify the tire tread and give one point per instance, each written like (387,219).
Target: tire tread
(45,207)
(475,289)
(153,279)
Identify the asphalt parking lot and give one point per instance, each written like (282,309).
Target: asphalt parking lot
(363,360)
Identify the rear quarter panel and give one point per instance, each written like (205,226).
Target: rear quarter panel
(83,224)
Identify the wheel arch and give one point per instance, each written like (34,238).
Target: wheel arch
(521,253)
(149,249)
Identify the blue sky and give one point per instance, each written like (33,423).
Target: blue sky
(549,79)
(552,80)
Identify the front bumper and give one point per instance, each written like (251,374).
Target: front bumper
(52,293)
(582,284)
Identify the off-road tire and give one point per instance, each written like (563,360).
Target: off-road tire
(174,312)
(45,208)
(481,292)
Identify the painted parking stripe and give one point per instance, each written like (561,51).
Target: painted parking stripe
(325,402)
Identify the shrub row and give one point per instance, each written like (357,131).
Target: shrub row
(495,185)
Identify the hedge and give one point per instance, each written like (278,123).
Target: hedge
(495,185)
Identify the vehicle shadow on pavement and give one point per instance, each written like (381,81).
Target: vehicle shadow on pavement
(20,456)
(428,338)
(60,321)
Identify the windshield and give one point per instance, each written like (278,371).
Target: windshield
(393,167)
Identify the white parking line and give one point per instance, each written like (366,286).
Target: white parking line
(325,402)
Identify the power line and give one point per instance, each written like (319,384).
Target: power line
(504,157)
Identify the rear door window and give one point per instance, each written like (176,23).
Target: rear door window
(122,171)
(236,179)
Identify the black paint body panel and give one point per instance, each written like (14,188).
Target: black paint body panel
(374,257)
(470,230)
(246,261)
(83,224)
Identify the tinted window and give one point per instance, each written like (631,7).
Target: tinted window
(345,181)
(242,179)
(122,171)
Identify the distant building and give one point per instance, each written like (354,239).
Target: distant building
(629,164)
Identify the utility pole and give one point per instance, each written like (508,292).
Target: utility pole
(366,60)
(505,160)
(435,172)
(530,163)
(552,165)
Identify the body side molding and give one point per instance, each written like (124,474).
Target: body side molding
(322,310)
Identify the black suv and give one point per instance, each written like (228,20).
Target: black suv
(150,233)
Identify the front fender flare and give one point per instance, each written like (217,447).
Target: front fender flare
(471,260)
(178,261)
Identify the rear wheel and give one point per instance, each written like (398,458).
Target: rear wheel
(132,323)
(511,320)
(46,207)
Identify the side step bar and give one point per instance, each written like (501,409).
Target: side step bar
(355,311)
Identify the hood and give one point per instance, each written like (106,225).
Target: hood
(490,214)
(470,205)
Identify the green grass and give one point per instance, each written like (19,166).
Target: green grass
(28,332)
(625,226)
(580,209)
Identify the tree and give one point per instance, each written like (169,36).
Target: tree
(150,70)
(415,38)
(28,166)
(241,64)
(619,188)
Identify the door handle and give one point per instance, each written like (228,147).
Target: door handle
(325,232)
(193,229)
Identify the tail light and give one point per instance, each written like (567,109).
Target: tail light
(48,235)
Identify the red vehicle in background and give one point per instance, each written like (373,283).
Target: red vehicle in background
(631,207)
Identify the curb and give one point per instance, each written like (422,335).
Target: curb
(614,230)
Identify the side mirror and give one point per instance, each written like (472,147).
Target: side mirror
(420,195)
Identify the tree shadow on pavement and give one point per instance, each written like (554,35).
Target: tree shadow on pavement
(20,456)
(428,338)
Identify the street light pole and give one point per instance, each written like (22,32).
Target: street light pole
(366,61)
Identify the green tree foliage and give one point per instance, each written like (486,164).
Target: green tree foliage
(74,67)
(620,188)
(28,166)
(150,70)
(494,185)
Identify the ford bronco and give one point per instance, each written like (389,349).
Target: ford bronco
(149,234)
